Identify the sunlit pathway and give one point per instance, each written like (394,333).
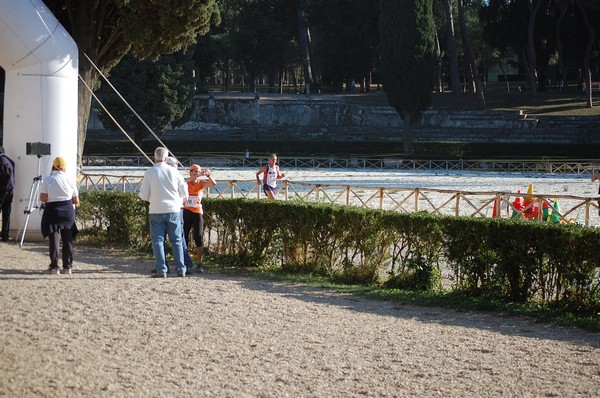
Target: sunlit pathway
(110,330)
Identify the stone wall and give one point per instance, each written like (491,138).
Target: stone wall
(336,112)
(335,118)
(301,112)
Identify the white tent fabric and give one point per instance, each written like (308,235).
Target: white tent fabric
(40,103)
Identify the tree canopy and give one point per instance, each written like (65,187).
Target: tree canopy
(106,30)
(161,93)
(408,54)
(331,42)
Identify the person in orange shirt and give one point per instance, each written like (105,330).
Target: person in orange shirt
(192,210)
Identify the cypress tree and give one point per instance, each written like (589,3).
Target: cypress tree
(408,54)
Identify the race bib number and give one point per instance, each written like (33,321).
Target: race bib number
(193,202)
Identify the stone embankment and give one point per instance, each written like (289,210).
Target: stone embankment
(333,117)
(244,117)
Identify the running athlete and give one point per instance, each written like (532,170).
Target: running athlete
(192,210)
(271,174)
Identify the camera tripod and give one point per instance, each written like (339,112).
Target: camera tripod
(33,202)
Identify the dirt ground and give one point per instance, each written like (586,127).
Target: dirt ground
(111,330)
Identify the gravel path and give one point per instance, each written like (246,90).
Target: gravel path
(110,330)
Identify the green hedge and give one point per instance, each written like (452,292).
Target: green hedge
(509,260)
(115,219)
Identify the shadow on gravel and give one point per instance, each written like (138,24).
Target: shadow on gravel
(506,325)
(109,261)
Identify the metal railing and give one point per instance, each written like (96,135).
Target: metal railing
(564,208)
(387,163)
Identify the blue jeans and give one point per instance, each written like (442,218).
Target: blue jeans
(187,260)
(167,224)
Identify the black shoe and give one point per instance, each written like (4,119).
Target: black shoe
(199,269)
(180,275)
(155,275)
(188,271)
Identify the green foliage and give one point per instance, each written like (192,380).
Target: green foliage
(108,29)
(156,27)
(160,91)
(514,261)
(408,55)
(346,38)
(114,218)
(541,264)
(263,37)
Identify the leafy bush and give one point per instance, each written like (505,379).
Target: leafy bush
(508,260)
(114,218)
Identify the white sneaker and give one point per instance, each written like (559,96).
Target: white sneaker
(67,271)
(54,271)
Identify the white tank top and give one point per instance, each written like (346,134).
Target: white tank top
(271,176)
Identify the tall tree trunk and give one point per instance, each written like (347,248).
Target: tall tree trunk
(440,81)
(314,62)
(242,73)
(407,145)
(294,79)
(534,6)
(225,82)
(88,47)
(280,73)
(469,54)
(303,41)
(252,78)
(562,8)
(451,48)
(89,79)
(505,77)
(588,54)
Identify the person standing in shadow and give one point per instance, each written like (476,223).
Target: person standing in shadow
(165,189)
(7,187)
(60,195)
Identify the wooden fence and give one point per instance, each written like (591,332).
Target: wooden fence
(562,208)
(386,163)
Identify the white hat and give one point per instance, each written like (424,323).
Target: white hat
(171,161)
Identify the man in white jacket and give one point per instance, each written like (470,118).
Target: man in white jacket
(165,188)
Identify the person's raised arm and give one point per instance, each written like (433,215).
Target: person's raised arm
(210,182)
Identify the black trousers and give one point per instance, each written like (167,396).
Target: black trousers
(193,221)
(6,208)
(67,248)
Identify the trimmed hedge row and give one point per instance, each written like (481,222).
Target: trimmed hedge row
(114,219)
(509,260)
(503,259)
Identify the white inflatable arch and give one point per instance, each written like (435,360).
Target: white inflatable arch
(40,102)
